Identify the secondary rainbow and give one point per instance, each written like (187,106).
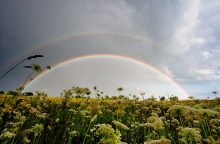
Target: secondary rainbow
(88,34)
(75,59)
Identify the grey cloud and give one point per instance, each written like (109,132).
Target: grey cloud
(182,29)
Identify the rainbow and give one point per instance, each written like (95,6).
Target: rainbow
(88,34)
(75,59)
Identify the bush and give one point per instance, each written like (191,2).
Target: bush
(162,98)
(174,98)
(67,119)
(218,99)
(13,93)
(28,94)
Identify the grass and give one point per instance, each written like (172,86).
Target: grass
(67,119)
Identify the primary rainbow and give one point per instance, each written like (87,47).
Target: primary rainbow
(75,59)
(88,34)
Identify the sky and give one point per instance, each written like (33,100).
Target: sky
(181,38)
(107,73)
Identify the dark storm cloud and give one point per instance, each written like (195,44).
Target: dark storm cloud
(187,32)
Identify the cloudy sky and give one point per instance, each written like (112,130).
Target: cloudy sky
(180,38)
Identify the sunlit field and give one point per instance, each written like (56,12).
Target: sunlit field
(76,118)
(109,72)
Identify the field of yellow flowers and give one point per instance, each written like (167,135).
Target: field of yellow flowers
(70,119)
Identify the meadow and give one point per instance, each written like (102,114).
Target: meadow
(76,118)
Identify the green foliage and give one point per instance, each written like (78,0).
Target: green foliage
(36,67)
(120,89)
(160,141)
(174,98)
(77,118)
(108,134)
(2,92)
(41,93)
(155,122)
(77,92)
(120,125)
(189,135)
(13,93)
(48,67)
(218,99)
(162,98)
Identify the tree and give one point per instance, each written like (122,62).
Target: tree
(81,92)
(152,98)
(41,93)
(174,98)
(48,67)
(28,94)
(162,98)
(19,90)
(120,89)
(191,97)
(142,94)
(215,93)
(2,92)
(13,93)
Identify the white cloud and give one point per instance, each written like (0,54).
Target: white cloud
(168,72)
(205,71)
(205,54)
(207,75)
(185,35)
